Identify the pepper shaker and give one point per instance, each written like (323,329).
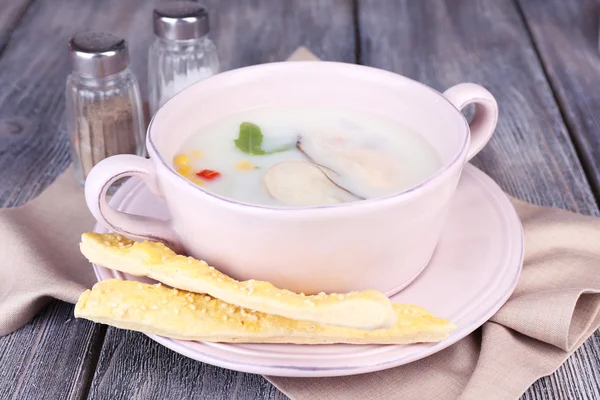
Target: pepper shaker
(181,53)
(103,103)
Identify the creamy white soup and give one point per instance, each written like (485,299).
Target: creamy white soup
(299,157)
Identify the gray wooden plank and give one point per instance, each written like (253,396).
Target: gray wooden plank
(531,155)
(485,42)
(260,31)
(131,366)
(11,12)
(566,36)
(52,357)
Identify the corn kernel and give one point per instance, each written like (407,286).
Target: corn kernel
(196,154)
(181,159)
(185,170)
(197,180)
(244,166)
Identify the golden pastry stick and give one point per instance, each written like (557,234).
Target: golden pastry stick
(191,316)
(366,310)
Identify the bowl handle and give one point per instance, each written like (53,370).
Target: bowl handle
(486,112)
(105,173)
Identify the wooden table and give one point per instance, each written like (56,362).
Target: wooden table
(539,58)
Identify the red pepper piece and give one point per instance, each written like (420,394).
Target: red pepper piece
(208,174)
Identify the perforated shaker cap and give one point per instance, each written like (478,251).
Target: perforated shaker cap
(98,54)
(180,20)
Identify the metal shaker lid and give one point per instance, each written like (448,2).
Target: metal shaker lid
(98,54)
(180,20)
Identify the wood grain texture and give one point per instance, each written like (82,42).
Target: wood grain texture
(52,357)
(566,35)
(531,155)
(259,31)
(11,12)
(485,42)
(134,367)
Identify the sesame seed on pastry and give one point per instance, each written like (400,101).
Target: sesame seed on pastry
(185,315)
(367,310)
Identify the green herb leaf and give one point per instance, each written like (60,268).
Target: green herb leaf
(250,139)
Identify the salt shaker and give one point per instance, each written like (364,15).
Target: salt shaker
(103,104)
(181,53)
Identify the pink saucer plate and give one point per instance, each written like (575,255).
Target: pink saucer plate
(473,272)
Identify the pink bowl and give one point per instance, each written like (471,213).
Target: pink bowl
(378,244)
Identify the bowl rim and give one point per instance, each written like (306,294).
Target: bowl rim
(411,191)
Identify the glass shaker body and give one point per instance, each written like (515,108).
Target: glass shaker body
(174,65)
(104,118)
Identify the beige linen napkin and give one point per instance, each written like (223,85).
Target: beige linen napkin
(554,308)
(39,252)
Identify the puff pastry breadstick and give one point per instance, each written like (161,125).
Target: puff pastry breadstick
(192,316)
(366,310)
